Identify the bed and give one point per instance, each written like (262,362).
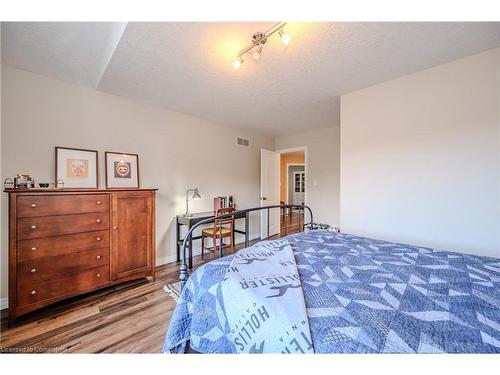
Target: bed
(362,296)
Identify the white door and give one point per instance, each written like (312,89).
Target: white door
(269,192)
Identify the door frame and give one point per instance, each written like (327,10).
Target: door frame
(296,149)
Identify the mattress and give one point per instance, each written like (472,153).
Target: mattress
(363,296)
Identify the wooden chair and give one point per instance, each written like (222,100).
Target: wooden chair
(227,231)
(285,211)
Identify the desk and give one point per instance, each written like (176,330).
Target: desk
(197,217)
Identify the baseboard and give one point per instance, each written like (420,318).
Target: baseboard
(165,260)
(4,303)
(171,259)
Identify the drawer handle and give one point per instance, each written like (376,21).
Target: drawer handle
(98,220)
(33,292)
(98,275)
(98,257)
(33,270)
(33,205)
(115,228)
(99,202)
(33,227)
(98,238)
(33,248)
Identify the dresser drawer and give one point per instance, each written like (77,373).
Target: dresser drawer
(57,288)
(60,245)
(60,266)
(50,205)
(36,227)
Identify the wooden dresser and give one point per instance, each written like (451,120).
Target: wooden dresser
(67,242)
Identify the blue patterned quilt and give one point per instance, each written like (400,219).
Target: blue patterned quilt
(363,296)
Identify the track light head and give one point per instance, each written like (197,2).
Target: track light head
(237,63)
(257,52)
(285,38)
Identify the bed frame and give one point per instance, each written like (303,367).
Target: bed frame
(184,272)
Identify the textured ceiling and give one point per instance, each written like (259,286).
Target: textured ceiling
(76,52)
(186,67)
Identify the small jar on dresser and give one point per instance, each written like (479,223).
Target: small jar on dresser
(65,242)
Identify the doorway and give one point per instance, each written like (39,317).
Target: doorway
(283,181)
(292,188)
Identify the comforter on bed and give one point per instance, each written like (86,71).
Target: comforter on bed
(272,317)
(363,296)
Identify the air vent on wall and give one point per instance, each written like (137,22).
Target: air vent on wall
(242,141)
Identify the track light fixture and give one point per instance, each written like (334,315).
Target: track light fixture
(258,41)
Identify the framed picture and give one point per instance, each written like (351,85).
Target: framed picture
(77,167)
(122,170)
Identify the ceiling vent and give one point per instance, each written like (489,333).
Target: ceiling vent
(242,141)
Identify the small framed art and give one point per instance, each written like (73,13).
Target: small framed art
(77,168)
(122,170)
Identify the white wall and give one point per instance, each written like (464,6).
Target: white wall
(322,174)
(175,151)
(498,120)
(420,157)
(3,254)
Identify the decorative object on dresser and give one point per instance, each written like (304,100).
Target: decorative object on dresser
(122,170)
(78,168)
(64,243)
(27,182)
(21,181)
(24,181)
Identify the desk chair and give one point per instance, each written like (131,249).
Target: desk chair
(227,231)
(285,211)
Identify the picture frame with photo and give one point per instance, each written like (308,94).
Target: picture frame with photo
(122,170)
(77,167)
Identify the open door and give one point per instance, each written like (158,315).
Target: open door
(269,192)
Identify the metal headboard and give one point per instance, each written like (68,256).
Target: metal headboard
(184,273)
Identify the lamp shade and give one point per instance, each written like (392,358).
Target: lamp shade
(196,194)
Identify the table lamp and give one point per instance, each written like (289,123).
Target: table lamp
(195,195)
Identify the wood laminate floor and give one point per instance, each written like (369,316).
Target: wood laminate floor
(127,318)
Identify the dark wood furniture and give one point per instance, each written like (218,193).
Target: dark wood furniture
(222,228)
(65,242)
(190,221)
